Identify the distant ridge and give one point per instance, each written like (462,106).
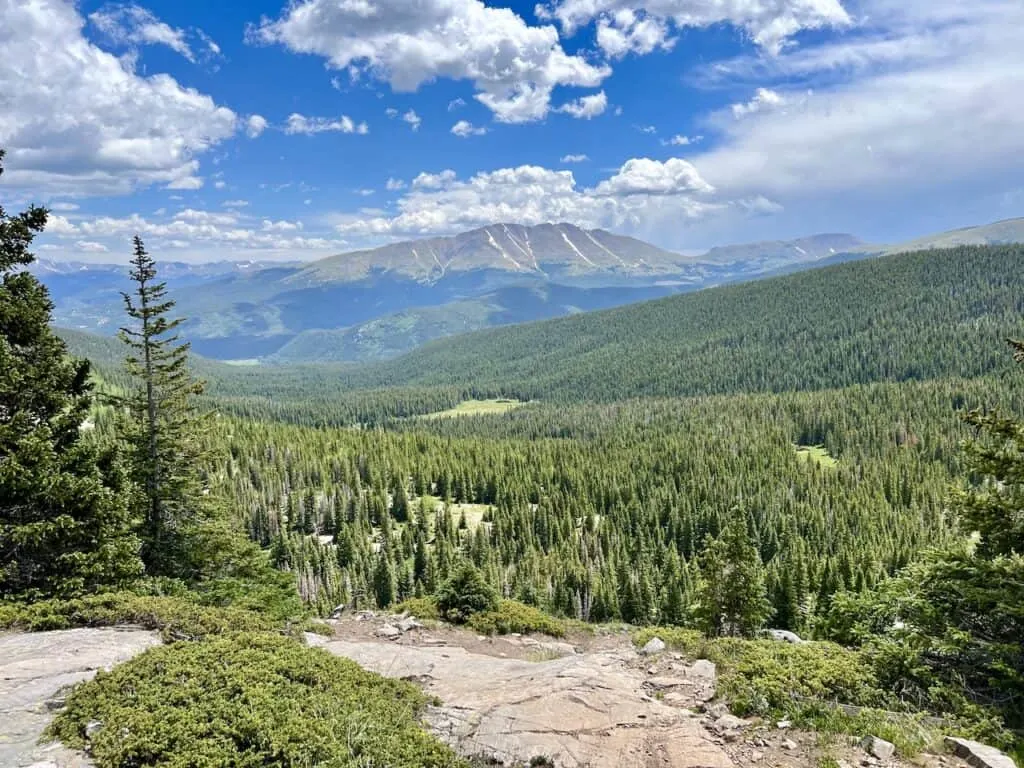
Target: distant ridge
(380,303)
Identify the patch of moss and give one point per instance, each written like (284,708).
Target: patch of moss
(248,700)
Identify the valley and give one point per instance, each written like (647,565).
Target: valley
(526,384)
(599,477)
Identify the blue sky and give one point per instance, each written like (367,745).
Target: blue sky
(264,130)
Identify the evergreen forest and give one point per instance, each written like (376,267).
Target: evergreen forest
(837,453)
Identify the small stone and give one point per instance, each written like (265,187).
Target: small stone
(57,702)
(702,669)
(756,756)
(654,645)
(727,723)
(783,725)
(388,632)
(789,744)
(715,711)
(979,755)
(876,747)
(664,683)
(408,624)
(338,611)
(92,728)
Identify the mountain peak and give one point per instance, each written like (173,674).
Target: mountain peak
(543,250)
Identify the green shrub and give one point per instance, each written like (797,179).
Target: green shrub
(248,701)
(464,593)
(513,616)
(820,686)
(423,608)
(177,617)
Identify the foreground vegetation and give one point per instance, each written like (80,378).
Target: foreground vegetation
(247,700)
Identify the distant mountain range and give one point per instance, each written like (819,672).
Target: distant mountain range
(379,303)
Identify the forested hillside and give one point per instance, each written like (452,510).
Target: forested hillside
(806,432)
(911,316)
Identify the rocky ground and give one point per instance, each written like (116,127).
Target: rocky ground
(36,669)
(588,701)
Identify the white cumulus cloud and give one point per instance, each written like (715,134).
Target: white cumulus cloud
(298,123)
(514,66)
(586,107)
(764,99)
(464,128)
(574,159)
(638,196)
(133,25)
(681,140)
(641,25)
(78,120)
(412,119)
(626,31)
(255,126)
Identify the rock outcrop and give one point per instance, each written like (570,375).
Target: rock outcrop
(34,671)
(580,710)
(979,755)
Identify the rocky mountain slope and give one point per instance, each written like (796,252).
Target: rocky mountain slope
(996,233)
(379,303)
(549,250)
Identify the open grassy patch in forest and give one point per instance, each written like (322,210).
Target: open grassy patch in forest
(476,408)
(474,514)
(816,454)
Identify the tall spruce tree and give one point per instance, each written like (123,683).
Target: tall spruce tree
(65,526)
(733,598)
(166,424)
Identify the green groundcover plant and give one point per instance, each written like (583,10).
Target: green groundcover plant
(248,700)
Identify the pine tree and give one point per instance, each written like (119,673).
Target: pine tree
(65,526)
(384,580)
(165,436)
(732,597)
(995,509)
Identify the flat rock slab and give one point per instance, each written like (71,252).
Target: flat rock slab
(581,710)
(35,667)
(979,755)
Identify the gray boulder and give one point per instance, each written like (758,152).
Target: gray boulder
(702,669)
(408,624)
(654,646)
(979,755)
(783,636)
(876,747)
(388,632)
(729,724)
